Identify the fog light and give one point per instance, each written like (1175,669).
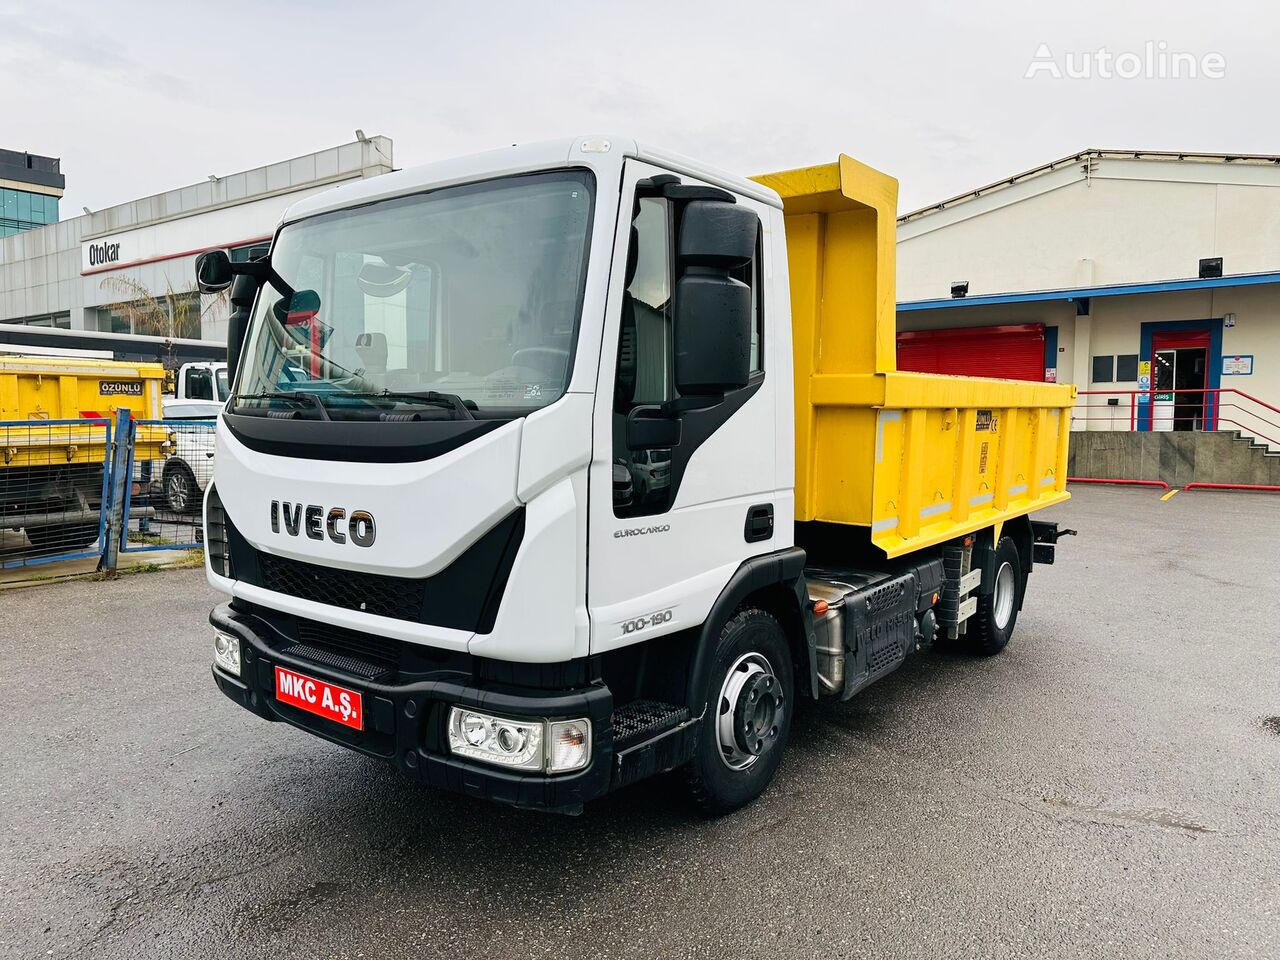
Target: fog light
(226,652)
(570,745)
(508,743)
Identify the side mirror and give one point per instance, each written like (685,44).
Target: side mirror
(712,321)
(213,271)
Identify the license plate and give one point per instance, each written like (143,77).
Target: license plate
(320,697)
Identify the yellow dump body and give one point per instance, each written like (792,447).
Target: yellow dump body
(37,389)
(918,458)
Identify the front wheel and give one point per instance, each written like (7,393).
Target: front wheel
(748,715)
(997,613)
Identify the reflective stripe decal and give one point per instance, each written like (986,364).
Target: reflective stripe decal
(888,523)
(883,417)
(1046,481)
(980,499)
(1017,489)
(934,509)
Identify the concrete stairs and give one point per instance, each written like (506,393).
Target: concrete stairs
(1176,457)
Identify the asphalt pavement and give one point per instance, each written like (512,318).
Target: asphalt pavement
(1109,786)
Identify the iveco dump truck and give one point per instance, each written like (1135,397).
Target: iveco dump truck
(554,468)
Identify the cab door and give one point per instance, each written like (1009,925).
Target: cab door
(669,526)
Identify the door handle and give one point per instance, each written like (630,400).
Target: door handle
(759,525)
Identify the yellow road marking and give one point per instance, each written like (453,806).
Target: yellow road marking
(1170,493)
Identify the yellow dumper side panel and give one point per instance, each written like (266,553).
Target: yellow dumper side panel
(36,389)
(918,458)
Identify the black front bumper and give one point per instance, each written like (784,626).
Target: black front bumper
(406,717)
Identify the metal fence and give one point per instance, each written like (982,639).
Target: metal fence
(162,502)
(53,484)
(74,489)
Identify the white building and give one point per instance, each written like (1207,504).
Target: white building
(1120,272)
(130,268)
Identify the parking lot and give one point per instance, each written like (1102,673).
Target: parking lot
(1109,786)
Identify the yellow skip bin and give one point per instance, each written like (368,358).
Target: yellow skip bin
(35,390)
(946,455)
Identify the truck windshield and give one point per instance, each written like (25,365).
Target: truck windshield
(468,293)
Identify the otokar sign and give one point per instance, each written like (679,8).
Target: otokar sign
(100,254)
(105,254)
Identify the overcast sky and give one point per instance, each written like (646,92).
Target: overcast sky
(136,98)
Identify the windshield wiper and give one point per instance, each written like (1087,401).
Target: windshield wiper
(302,397)
(429,397)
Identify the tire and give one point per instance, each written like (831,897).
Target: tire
(992,623)
(62,537)
(181,495)
(750,699)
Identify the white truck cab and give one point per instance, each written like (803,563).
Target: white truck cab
(504,491)
(200,390)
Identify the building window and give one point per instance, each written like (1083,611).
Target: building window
(1127,368)
(1104,369)
(60,320)
(167,315)
(22,210)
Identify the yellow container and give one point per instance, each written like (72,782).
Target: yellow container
(918,458)
(38,389)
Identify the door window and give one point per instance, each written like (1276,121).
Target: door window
(645,481)
(1179,374)
(199,383)
(642,478)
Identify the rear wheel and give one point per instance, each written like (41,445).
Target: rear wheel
(62,537)
(992,623)
(748,716)
(180,490)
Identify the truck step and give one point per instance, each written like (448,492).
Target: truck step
(356,666)
(642,720)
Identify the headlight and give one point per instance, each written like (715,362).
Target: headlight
(520,744)
(226,652)
(509,743)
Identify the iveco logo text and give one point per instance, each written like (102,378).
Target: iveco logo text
(316,523)
(640,531)
(100,253)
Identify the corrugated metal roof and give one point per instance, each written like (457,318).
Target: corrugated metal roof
(1085,157)
(1081,293)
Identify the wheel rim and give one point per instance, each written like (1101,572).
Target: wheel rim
(1006,588)
(177,490)
(750,709)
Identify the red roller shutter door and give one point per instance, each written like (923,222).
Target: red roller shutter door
(1014,352)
